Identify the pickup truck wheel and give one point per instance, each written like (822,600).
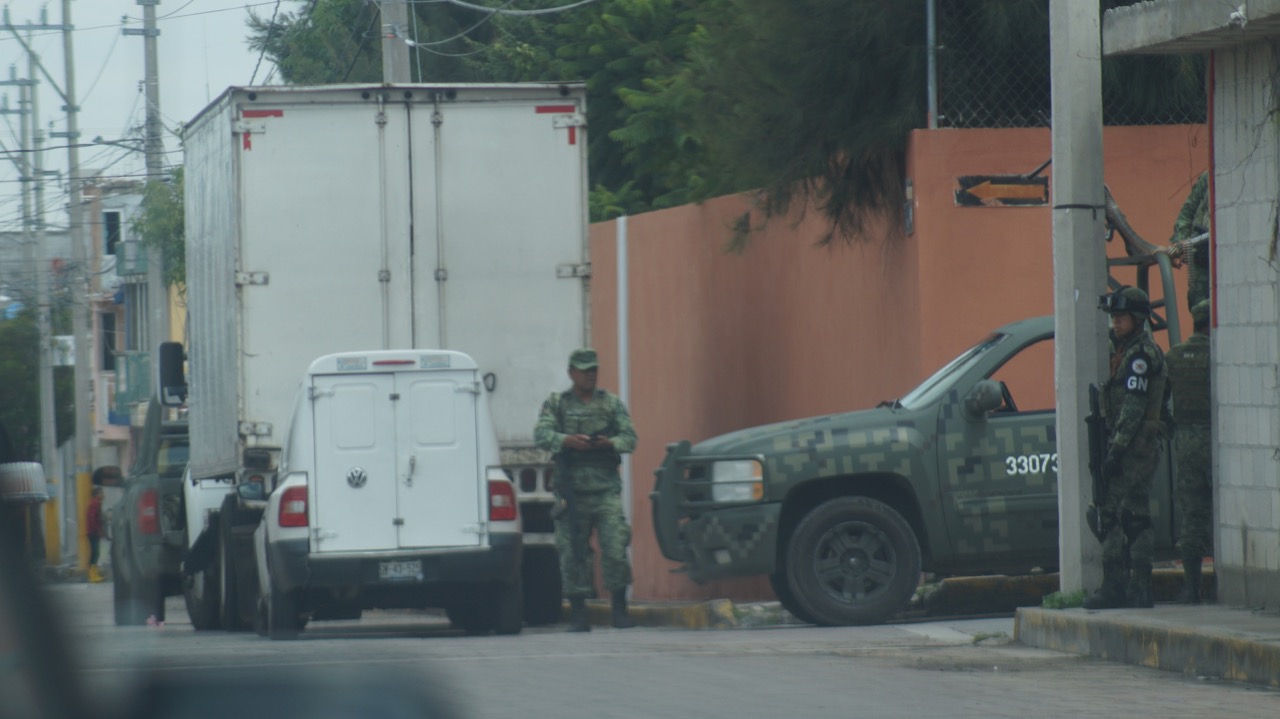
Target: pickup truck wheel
(542,599)
(853,560)
(200,592)
(778,580)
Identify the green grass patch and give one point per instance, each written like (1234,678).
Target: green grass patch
(1063,600)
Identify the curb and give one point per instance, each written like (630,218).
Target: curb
(1147,641)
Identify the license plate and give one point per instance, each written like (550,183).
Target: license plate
(400,571)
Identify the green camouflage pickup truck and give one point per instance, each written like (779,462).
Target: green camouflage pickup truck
(844,512)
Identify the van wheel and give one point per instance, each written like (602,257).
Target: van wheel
(853,560)
(200,592)
(509,609)
(541,586)
(282,615)
(470,618)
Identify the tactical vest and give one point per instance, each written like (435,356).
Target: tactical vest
(1188,367)
(1116,390)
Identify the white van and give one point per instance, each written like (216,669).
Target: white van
(390,495)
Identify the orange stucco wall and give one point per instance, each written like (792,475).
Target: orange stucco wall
(787,329)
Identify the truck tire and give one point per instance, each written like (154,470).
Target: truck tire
(200,592)
(541,590)
(782,590)
(229,604)
(853,560)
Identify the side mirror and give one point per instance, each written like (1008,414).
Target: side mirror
(108,476)
(982,398)
(252,491)
(173,382)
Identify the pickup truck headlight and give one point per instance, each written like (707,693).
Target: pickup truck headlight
(738,480)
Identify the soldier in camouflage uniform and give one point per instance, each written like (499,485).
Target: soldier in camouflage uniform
(1134,398)
(1190,241)
(593,427)
(1189,377)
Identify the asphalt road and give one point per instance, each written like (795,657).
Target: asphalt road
(954,668)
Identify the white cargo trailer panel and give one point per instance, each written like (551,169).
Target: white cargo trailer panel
(341,218)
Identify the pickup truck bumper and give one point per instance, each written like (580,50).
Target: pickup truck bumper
(711,542)
(294,567)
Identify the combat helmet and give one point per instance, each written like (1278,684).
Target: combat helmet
(1200,314)
(1126,299)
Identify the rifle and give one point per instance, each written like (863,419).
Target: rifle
(1098,441)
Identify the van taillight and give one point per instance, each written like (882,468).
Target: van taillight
(149,512)
(502,501)
(293,507)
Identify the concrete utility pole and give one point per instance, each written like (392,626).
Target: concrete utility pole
(32,169)
(1079,270)
(158,296)
(80,326)
(395,49)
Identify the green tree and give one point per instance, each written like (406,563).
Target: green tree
(159,224)
(810,102)
(20,410)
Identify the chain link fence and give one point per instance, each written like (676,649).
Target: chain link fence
(993,71)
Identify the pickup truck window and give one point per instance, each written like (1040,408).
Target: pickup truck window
(172,459)
(933,388)
(1028,377)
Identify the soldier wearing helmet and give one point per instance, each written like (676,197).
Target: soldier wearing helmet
(1134,399)
(1189,377)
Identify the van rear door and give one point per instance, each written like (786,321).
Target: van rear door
(397,463)
(441,492)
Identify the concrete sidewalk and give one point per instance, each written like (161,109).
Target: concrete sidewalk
(1236,644)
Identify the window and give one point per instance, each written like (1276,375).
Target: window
(111,231)
(108,341)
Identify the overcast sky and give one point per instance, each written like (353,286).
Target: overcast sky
(202,51)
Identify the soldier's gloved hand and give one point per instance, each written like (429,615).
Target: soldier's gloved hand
(1111,466)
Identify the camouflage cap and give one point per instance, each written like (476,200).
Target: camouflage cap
(584,358)
(1200,313)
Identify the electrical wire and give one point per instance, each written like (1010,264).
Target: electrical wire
(520,13)
(258,64)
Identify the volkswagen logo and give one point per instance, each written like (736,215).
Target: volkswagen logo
(356,477)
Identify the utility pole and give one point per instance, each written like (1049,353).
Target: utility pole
(1079,269)
(80,326)
(157,293)
(32,171)
(395,46)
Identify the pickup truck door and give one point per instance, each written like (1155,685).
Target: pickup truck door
(999,471)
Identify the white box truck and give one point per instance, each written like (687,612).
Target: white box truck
(390,494)
(349,217)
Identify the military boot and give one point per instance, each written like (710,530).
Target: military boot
(1139,594)
(621,620)
(1111,594)
(1190,593)
(578,621)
